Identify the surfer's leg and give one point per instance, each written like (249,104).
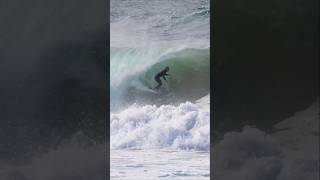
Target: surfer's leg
(159,83)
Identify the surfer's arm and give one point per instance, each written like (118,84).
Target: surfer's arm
(164,77)
(166,74)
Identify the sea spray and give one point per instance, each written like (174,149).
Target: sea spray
(186,126)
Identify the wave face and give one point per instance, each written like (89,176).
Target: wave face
(185,126)
(133,70)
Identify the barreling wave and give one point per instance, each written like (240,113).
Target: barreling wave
(133,71)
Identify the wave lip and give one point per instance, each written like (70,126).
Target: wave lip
(185,126)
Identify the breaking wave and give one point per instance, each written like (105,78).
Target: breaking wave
(186,126)
(133,71)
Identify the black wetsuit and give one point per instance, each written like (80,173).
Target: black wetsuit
(162,74)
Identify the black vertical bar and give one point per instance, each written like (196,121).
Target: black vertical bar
(265,71)
(54,89)
(212,86)
(108,87)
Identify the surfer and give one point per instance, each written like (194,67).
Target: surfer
(162,74)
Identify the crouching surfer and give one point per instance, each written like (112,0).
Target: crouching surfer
(158,76)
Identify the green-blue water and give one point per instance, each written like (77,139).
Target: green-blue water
(133,71)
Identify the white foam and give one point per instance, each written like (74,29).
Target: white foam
(204,103)
(186,126)
(159,165)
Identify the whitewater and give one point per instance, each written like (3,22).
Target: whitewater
(163,134)
(249,154)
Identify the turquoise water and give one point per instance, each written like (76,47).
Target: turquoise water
(133,71)
(146,36)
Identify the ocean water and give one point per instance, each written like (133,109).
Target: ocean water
(159,164)
(291,152)
(154,135)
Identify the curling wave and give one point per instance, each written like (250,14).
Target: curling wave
(133,71)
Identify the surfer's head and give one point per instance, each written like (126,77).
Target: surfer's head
(167,68)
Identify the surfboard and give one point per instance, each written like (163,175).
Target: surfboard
(153,91)
(148,89)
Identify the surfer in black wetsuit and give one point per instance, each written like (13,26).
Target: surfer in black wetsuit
(162,74)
